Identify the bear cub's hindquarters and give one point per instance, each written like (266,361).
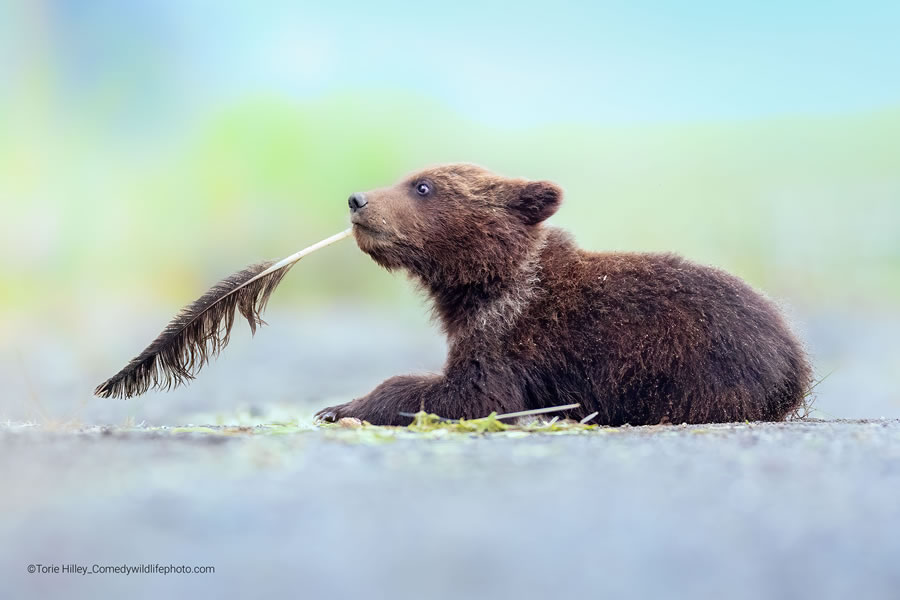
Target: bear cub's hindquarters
(534,321)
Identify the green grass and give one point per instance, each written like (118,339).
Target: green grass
(424,425)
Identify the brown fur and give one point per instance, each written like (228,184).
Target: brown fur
(533,321)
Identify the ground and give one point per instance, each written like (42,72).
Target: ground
(285,509)
(806,509)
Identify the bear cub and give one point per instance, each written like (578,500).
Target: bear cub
(534,321)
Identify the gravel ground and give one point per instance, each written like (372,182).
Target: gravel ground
(794,510)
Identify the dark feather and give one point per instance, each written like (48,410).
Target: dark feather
(199,331)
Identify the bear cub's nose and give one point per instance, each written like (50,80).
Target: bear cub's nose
(356,201)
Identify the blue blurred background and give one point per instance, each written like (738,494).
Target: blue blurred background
(149,148)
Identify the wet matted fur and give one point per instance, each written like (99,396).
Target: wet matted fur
(534,321)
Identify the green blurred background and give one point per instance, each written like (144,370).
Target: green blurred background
(149,148)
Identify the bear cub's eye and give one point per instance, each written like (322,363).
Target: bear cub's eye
(423,188)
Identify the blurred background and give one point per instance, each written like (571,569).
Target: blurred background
(149,148)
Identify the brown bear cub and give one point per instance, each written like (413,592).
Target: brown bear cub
(534,321)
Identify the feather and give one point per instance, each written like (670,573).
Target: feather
(202,329)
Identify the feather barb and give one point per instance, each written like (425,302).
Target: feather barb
(202,329)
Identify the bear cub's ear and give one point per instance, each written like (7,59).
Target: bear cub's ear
(537,200)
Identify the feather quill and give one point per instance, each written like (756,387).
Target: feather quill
(202,329)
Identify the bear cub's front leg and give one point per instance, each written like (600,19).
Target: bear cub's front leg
(408,394)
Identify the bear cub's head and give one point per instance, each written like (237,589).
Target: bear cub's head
(453,225)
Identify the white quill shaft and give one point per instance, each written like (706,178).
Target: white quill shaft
(284,262)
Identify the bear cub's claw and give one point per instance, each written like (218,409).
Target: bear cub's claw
(332,414)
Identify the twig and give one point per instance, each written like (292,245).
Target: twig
(512,415)
(589,417)
(816,384)
(537,411)
(805,409)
